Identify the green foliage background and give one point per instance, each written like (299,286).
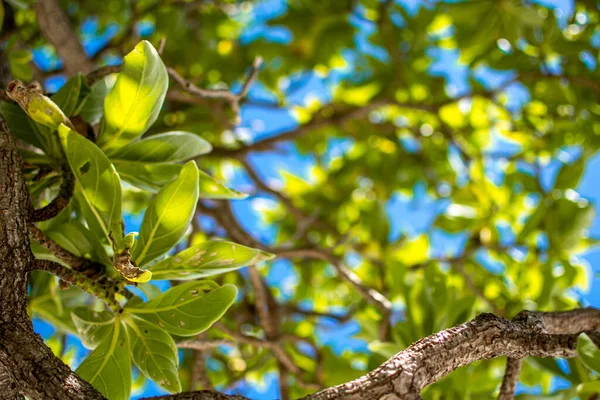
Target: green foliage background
(409,127)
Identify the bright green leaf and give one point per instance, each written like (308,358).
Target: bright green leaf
(108,367)
(147,176)
(168,216)
(155,353)
(588,352)
(98,187)
(133,104)
(189,308)
(207,259)
(166,147)
(92,326)
(210,188)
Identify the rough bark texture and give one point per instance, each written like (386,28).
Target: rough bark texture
(27,365)
(487,336)
(55,27)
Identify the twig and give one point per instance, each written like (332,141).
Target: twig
(80,264)
(103,289)
(101,72)
(511,378)
(60,202)
(233,99)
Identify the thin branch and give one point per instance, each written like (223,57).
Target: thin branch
(511,378)
(370,294)
(103,289)
(198,395)
(203,345)
(233,99)
(60,202)
(101,72)
(79,264)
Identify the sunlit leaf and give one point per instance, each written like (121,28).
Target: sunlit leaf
(98,187)
(187,309)
(168,216)
(207,259)
(166,147)
(133,104)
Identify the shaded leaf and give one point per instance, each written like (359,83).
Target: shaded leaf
(92,326)
(166,147)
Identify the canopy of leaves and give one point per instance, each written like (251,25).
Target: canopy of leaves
(432,151)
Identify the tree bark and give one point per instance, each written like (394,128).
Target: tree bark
(55,27)
(27,365)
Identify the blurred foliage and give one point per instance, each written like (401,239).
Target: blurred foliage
(465,106)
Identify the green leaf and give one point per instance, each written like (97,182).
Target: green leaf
(79,240)
(92,326)
(134,103)
(587,389)
(168,216)
(210,188)
(22,127)
(68,95)
(155,353)
(108,367)
(166,147)
(570,175)
(91,108)
(189,308)
(588,352)
(207,259)
(147,176)
(98,187)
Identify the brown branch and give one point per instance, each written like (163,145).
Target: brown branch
(198,395)
(511,378)
(233,99)
(79,264)
(203,345)
(55,27)
(369,294)
(487,336)
(101,72)
(60,202)
(104,289)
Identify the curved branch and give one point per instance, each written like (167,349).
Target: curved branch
(487,336)
(60,202)
(79,264)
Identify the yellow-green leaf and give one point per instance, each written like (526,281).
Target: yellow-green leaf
(133,104)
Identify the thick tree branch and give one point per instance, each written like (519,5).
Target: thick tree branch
(487,336)
(55,27)
(27,366)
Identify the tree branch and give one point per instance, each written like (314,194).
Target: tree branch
(104,289)
(233,99)
(55,27)
(79,264)
(60,202)
(511,378)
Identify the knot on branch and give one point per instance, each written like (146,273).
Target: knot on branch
(530,320)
